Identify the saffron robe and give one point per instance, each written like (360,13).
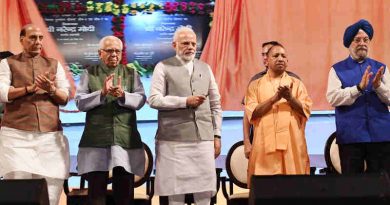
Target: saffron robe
(279,144)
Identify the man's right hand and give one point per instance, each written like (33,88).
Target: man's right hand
(247,149)
(31,89)
(107,85)
(117,90)
(366,78)
(195,101)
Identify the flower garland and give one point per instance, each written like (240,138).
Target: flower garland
(188,8)
(119,10)
(118,26)
(118,7)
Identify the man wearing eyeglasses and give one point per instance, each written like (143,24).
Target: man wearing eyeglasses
(32,87)
(110,93)
(359,89)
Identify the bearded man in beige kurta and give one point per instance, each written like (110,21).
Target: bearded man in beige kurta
(278,106)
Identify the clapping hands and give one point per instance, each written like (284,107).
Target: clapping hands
(283,92)
(367,75)
(110,89)
(45,82)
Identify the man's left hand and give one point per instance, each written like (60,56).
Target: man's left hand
(376,82)
(117,90)
(285,92)
(217,147)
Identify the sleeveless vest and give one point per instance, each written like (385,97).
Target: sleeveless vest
(186,124)
(33,112)
(110,124)
(367,119)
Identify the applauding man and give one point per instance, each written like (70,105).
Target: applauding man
(110,93)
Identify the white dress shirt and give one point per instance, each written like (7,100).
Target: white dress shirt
(338,96)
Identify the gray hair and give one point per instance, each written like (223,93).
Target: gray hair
(182,29)
(109,38)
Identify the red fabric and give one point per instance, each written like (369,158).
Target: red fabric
(311,31)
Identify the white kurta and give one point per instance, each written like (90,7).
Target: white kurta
(43,153)
(185,167)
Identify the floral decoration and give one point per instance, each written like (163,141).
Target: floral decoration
(119,10)
(118,7)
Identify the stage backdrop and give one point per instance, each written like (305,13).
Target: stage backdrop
(311,31)
(146,27)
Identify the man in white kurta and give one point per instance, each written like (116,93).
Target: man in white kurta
(32,144)
(185,93)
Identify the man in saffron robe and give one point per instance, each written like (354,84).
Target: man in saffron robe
(247,127)
(278,106)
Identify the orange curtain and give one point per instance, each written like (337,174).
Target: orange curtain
(311,31)
(13,16)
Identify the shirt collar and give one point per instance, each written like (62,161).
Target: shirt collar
(183,62)
(107,69)
(355,61)
(25,55)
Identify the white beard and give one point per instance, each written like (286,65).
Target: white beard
(188,57)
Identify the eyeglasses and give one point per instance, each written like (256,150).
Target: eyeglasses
(111,51)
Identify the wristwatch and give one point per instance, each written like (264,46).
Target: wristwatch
(52,92)
(359,89)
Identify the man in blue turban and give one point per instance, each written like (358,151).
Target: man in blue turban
(359,89)
(353,29)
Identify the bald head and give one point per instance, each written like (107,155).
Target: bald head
(110,51)
(31,38)
(109,40)
(27,27)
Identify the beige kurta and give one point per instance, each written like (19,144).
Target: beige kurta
(279,144)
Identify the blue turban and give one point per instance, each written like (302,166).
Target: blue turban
(353,29)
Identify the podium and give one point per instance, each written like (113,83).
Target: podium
(373,189)
(24,192)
